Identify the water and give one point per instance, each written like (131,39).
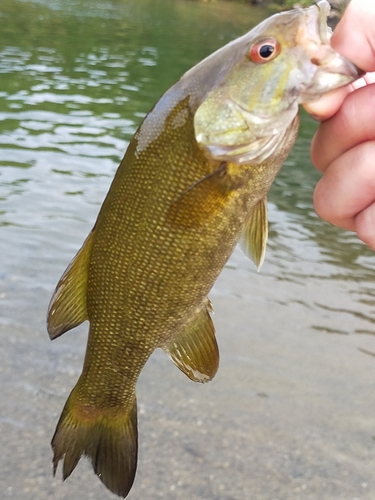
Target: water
(290,414)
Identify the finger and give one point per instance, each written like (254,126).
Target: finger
(347,187)
(365,225)
(354,36)
(328,104)
(347,128)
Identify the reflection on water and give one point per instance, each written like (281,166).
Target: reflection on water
(76,79)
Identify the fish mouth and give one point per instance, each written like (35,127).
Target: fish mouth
(325,33)
(331,69)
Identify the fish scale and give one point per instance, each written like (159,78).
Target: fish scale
(193,180)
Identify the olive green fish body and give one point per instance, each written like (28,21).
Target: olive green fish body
(193,182)
(173,251)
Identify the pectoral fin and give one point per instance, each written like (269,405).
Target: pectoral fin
(195,351)
(255,233)
(204,199)
(67,308)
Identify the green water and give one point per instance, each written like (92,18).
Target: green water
(76,79)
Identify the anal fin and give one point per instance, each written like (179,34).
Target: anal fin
(194,350)
(67,308)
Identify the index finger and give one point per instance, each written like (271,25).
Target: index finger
(347,128)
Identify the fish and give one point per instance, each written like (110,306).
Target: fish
(192,184)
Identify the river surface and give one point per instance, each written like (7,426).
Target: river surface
(291,412)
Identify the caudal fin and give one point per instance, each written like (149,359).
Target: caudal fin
(108,437)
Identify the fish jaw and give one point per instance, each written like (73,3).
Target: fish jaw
(256,102)
(328,70)
(333,71)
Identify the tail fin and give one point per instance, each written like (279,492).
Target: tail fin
(108,437)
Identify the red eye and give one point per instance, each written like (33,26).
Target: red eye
(264,50)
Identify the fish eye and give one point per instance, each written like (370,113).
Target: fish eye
(264,50)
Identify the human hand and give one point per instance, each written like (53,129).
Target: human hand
(343,148)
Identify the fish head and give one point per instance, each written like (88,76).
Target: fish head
(283,62)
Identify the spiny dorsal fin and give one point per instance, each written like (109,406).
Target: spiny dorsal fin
(194,351)
(255,233)
(67,308)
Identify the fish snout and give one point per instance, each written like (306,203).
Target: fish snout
(331,71)
(332,62)
(340,65)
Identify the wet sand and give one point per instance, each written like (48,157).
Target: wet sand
(290,414)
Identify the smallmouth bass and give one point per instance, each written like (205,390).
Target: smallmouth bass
(192,183)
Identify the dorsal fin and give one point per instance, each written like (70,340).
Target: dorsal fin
(67,308)
(255,233)
(194,351)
